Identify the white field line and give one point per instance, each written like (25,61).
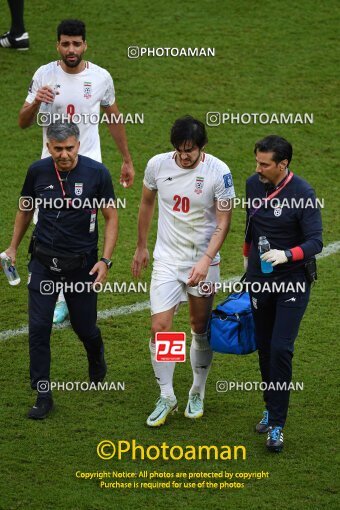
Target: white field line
(330,249)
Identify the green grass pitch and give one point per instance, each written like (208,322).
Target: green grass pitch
(270,57)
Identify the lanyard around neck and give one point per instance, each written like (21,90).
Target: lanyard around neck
(272,195)
(275,192)
(60,180)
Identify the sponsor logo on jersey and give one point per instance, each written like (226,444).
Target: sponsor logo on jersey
(199,185)
(277,211)
(87,89)
(228,180)
(254,300)
(78,188)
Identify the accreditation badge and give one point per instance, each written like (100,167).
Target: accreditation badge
(93,220)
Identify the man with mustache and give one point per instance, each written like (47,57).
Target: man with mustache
(76,90)
(282,207)
(65,252)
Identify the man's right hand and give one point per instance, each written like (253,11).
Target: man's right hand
(140,261)
(12,253)
(45,95)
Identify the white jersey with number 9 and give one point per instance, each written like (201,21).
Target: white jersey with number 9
(80,96)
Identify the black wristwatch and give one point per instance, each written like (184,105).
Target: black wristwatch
(289,255)
(107,262)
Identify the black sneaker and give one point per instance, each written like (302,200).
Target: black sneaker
(262,426)
(275,439)
(41,408)
(97,369)
(21,42)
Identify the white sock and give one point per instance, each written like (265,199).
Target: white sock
(164,372)
(61,297)
(201,357)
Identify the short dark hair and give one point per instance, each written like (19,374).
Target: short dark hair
(71,27)
(188,129)
(276,144)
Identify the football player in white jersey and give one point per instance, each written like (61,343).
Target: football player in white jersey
(76,88)
(195,192)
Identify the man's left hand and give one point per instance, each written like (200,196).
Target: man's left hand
(199,272)
(275,257)
(127,174)
(101,269)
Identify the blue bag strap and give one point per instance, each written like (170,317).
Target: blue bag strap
(242,279)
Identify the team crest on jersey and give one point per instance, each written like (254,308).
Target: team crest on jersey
(277,211)
(87,89)
(199,185)
(78,188)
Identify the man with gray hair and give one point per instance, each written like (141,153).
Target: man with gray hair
(69,189)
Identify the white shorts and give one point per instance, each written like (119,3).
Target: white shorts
(169,285)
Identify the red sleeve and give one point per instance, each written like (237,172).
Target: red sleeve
(246,249)
(297,253)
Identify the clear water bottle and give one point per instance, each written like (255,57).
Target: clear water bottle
(9,270)
(264,246)
(44,116)
(47,107)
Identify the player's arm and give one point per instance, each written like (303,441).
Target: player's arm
(110,239)
(201,268)
(146,210)
(29,111)
(117,130)
(21,224)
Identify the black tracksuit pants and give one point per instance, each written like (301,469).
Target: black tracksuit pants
(277,318)
(82,308)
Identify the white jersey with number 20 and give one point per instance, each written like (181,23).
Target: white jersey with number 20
(187,205)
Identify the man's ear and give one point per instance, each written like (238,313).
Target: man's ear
(283,164)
